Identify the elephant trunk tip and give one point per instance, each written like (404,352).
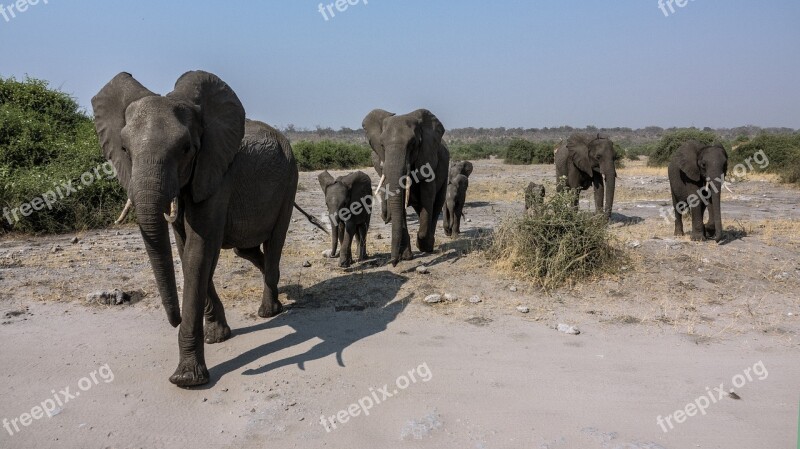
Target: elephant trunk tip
(174,318)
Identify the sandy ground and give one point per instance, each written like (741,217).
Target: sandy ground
(682,320)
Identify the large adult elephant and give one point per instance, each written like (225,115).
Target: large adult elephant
(585,161)
(412,162)
(696,175)
(191,159)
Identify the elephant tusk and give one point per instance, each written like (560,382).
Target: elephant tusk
(408,184)
(125,211)
(173,211)
(380,184)
(725,184)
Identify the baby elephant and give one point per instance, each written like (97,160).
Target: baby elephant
(454,204)
(534,196)
(349,201)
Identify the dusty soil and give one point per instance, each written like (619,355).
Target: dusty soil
(681,317)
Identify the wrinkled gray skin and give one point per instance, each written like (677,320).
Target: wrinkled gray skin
(534,196)
(692,167)
(402,144)
(457,185)
(231,193)
(588,161)
(350,193)
(454,205)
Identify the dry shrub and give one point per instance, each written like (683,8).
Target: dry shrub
(555,244)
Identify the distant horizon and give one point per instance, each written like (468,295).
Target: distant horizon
(514,63)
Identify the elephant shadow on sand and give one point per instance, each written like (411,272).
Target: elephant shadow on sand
(358,306)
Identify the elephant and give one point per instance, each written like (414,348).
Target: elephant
(584,161)
(534,196)
(457,185)
(349,200)
(409,154)
(696,175)
(454,204)
(192,160)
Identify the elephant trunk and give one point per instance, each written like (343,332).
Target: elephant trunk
(611,184)
(716,209)
(395,172)
(151,206)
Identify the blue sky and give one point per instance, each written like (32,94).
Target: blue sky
(528,63)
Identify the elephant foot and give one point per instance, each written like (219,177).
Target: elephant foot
(216,332)
(679,233)
(345,263)
(698,237)
(407,255)
(271,309)
(425,247)
(190,374)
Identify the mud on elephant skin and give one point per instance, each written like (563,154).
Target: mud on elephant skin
(190,159)
(403,147)
(696,176)
(585,161)
(349,201)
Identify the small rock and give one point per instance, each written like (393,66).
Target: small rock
(468,220)
(475,299)
(113,298)
(634,244)
(523,309)
(306,264)
(75,240)
(513,288)
(56,249)
(567,329)
(705,260)
(433,299)
(422,269)
(450,297)
(378,237)
(326,253)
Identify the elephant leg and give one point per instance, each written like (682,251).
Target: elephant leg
(678,217)
(216,329)
(457,211)
(254,255)
(273,249)
(710,228)
(362,242)
(698,233)
(346,256)
(200,254)
(431,202)
(446,220)
(599,192)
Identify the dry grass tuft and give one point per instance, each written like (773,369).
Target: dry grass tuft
(555,245)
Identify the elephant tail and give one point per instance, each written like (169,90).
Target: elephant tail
(312,219)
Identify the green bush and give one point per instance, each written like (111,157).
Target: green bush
(328,154)
(662,153)
(525,152)
(635,152)
(475,151)
(782,151)
(46,141)
(555,243)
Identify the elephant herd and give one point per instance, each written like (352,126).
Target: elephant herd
(192,161)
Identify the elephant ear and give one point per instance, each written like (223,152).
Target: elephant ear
(223,128)
(578,149)
(325,179)
(686,159)
(109,107)
(373,125)
(432,131)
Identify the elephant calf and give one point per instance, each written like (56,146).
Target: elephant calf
(696,174)
(534,196)
(349,201)
(457,184)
